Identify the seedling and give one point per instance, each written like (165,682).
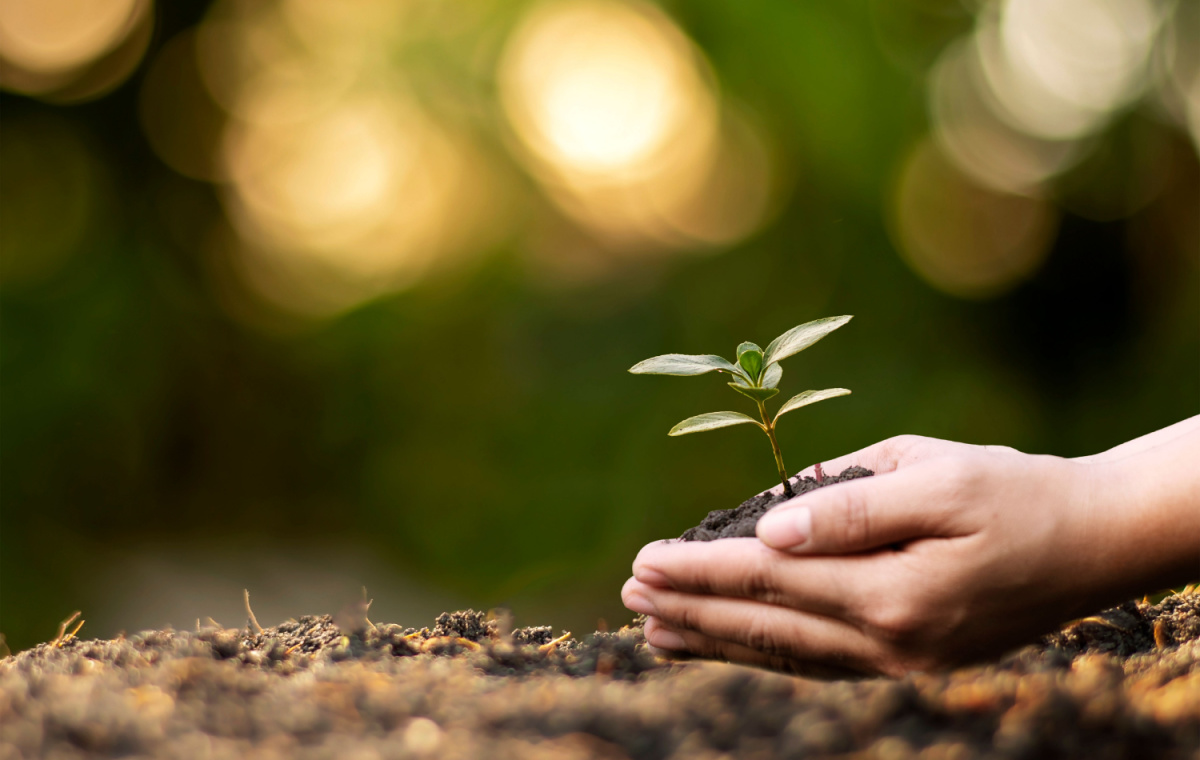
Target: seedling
(756,376)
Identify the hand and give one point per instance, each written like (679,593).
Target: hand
(951,553)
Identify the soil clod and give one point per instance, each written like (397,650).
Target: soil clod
(740,521)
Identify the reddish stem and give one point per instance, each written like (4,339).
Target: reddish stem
(820,475)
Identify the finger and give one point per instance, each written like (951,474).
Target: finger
(745,568)
(764,628)
(668,642)
(882,457)
(863,514)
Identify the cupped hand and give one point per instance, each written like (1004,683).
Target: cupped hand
(950,554)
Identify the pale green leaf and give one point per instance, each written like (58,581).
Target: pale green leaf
(809,397)
(799,338)
(754,392)
(711,421)
(683,364)
(750,357)
(772,376)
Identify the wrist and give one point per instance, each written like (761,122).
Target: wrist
(1144,507)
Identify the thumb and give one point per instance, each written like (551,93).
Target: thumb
(854,516)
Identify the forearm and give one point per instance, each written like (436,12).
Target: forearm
(1146,442)
(1148,508)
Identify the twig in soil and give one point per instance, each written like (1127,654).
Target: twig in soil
(253,621)
(504,621)
(550,646)
(63,637)
(367,608)
(436,643)
(820,475)
(1160,634)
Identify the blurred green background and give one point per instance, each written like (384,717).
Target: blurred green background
(300,296)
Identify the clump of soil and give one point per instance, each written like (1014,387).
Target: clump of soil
(1124,683)
(740,521)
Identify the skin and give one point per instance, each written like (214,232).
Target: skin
(951,554)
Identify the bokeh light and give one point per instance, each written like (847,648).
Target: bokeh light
(181,122)
(1015,101)
(369,194)
(982,145)
(961,238)
(617,116)
(1059,69)
(1179,75)
(70,50)
(339,183)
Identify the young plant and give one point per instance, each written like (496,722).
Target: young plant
(756,375)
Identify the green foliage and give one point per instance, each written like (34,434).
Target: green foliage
(809,397)
(684,364)
(756,376)
(711,421)
(750,358)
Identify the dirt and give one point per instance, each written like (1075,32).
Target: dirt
(1124,683)
(740,521)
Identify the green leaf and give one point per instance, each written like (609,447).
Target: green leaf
(683,364)
(772,376)
(711,421)
(750,356)
(799,338)
(809,397)
(754,392)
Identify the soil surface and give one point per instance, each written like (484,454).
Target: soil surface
(740,521)
(1122,684)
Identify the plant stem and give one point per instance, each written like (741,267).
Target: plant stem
(769,426)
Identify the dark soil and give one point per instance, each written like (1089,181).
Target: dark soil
(740,522)
(1122,684)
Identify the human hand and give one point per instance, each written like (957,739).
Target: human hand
(951,553)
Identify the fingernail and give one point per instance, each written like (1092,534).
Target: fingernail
(650,576)
(786,529)
(640,604)
(664,639)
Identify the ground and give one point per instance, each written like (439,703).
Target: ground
(1124,683)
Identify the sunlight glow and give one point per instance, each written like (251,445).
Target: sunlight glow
(339,184)
(1015,101)
(961,238)
(1179,84)
(985,147)
(362,194)
(615,113)
(47,45)
(600,88)
(1059,69)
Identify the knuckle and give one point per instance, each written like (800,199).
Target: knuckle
(993,448)
(677,615)
(891,453)
(959,476)
(896,622)
(758,582)
(757,636)
(853,524)
(897,446)
(762,634)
